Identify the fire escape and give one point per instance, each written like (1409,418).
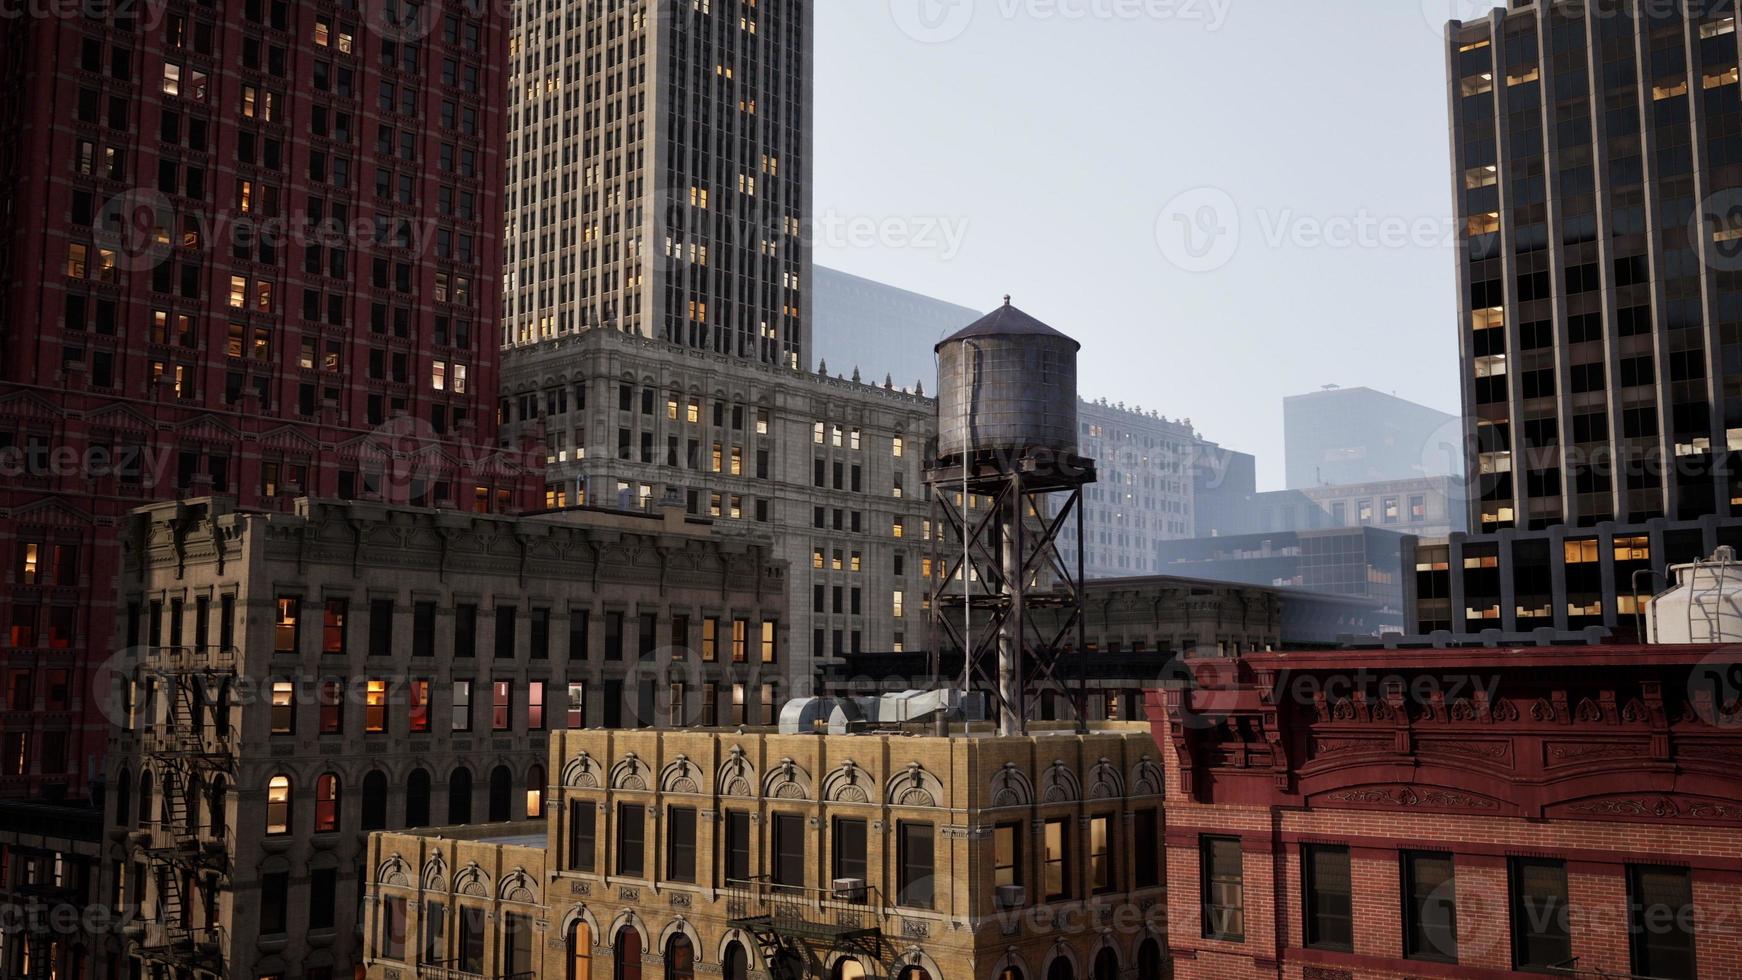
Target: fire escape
(786,919)
(191,751)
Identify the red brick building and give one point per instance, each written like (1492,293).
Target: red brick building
(249,248)
(1456,813)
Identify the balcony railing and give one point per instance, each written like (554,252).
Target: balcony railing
(447,970)
(761,904)
(1571,968)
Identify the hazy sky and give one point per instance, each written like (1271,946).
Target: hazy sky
(1061,151)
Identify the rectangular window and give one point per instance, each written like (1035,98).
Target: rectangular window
(916,863)
(501,719)
(680,843)
(284,632)
(787,854)
(1222,880)
(1058,859)
(769,627)
(1660,903)
(461,717)
(418,700)
(535,706)
(577,634)
(283,708)
(710,639)
(516,946)
(333,627)
(381,627)
(1146,851)
(1541,934)
(577,708)
(1007,841)
(613,636)
(375,707)
(274,902)
(471,939)
(393,928)
(737,847)
(332,707)
(849,848)
(465,630)
(740,641)
(505,632)
(435,939)
(423,621)
(1329,901)
(631,840)
(1430,914)
(1101,876)
(583,830)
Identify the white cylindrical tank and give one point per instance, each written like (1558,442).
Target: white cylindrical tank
(1703,604)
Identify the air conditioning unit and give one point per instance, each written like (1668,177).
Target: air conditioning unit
(849,889)
(1010,896)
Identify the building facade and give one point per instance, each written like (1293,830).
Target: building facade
(1358,435)
(294,681)
(1490,813)
(881,332)
(831,468)
(248,254)
(1600,304)
(1144,494)
(969,857)
(1364,562)
(658,178)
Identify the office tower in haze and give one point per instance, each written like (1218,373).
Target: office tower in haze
(658,175)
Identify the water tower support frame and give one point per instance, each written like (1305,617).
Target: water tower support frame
(1008,554)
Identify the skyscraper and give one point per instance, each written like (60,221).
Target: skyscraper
(1602,310)
(1342,436)
(1597,166)
(659,175)
(882,331)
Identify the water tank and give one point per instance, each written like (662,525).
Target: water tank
(1704,605)
(1017,378)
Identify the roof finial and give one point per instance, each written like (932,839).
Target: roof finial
(1006,299)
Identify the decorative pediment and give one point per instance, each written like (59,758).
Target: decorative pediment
(1105,781)
(737,777)
(394,872)
(51,512)
(847,784)
(1147,778)
(473,881)
(629,773)
(914,786)
(115,417)
(1010,787)
(1059,784)
(787,781)
(581,772)
(207,428)
(518,886)
(680,777)
(288,439)
(435,874)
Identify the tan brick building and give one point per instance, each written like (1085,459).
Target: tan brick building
(753,854)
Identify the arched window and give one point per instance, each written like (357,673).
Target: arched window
(1106,965)
(278,805)
(216,806)
(123,797)
(628,954)
(920,973)
(535,792)
(1010,973)
(580,951)
(1060,970)
(736,964)
(848,969)
(375,800)
(501,794)
(327,803)
(145,799)
(460,796)
(680,959)
(417,798)
(1149,958)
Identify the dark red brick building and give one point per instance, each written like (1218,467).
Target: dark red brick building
(1490,813)
(249,248)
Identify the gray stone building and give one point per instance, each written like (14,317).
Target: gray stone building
(659,176)
(831,468)
(294,681)
(1144,494)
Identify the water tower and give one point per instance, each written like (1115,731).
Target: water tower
(1005,483)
